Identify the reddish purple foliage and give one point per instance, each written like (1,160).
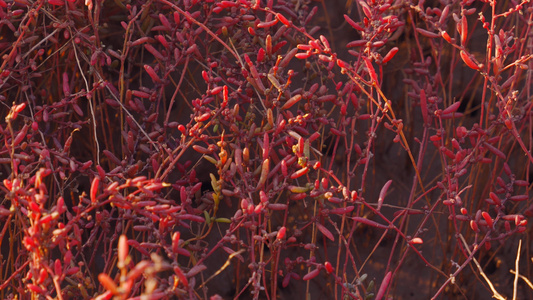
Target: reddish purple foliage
(177,149)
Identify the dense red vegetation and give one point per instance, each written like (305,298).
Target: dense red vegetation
(265,149)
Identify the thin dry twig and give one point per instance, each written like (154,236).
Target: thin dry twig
(517,261)
(523,278)
(90,100)
(224,266)
(492,288)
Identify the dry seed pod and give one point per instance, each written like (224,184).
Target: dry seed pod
(369,222)
(311,274)
(264,173)
(383,193)
(268,45)
(451,109)
(325,231)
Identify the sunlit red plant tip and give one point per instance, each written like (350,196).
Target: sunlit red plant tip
(278,130)
(283,19)
(123,250)
(487,218)
(446,36)
(152,74)
(468,60)
(390,54)
(417,241)
(329,267)
(108,283)
(94,188)
(56,2)
(281,233)
(353,23)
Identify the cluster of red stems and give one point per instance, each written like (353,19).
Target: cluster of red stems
(173,149)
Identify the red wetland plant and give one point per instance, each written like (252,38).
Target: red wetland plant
(265,149)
